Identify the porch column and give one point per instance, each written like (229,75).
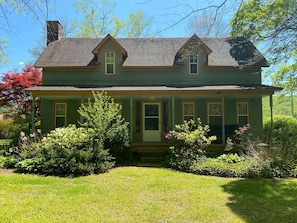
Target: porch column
(131,120)
(33,114)
(271,112)
(223,120)
(173,115)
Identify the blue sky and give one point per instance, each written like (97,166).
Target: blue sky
(27,31)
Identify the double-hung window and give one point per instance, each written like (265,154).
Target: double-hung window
(214,113)
(188,111)
(60,114)
(242,113)
(193,64)
(109,63)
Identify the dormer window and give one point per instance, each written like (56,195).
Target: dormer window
(109,63)
(193,64)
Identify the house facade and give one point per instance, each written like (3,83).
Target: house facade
(158,81)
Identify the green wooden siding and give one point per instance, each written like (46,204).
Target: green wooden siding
(47,115)
(140,77)
(136,78)
(73,116)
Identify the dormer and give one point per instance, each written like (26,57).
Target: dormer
(193,53)
(110,53)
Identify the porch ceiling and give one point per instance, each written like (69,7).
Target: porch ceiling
(155,90)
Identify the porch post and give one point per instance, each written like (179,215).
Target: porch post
(223,120)
(271,112)
(173,115)
(33,114)
(131,119)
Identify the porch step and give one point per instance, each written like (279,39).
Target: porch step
(152,157)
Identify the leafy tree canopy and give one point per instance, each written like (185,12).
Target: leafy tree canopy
(12,88)
(272,24)
(98,20)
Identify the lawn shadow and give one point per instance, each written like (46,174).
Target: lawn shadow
(263,200)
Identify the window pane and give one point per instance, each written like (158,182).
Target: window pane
(109,58)
(215,120)
(60,109)
(214,109)
(60,121)
(193,69)
(193,58)
(151,123)
(243,120)
(188,118)
(189,109)
(151,110)
(242,108)
(109,68)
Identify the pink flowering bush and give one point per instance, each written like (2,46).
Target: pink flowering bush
(187,143)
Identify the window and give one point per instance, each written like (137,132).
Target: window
(214,113)
(109,63)
(193,64)
(60,114)
(242,113)
(188,111)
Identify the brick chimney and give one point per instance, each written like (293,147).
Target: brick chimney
(54,31)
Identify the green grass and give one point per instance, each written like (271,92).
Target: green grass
(143,194)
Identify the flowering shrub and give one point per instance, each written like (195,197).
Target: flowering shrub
(68,151)
(240,139)
(187,143)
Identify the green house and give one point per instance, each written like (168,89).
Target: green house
(159,81)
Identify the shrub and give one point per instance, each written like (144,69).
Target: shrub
(11,128)
(283,138)
(231,158)
(216,167)
(69,151)
(187,143)
(104,116)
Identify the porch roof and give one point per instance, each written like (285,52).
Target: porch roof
(155,90)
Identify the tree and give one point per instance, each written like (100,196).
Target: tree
(137,25)
(37,8)
(104,116)
(272,24)
(98,21)
(208,24)
(12,89)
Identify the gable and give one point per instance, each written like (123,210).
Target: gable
(109,44)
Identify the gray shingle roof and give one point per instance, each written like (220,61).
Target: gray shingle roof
(77,52)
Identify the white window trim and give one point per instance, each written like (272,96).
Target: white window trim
(60,116)
(240,115)
(208,110)
(197,64)
(113,64)
(188,102)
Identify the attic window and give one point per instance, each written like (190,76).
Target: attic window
(109,63)
(193,64)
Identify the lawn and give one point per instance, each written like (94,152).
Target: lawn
(144,194)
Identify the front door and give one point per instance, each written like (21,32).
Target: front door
(151,122)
